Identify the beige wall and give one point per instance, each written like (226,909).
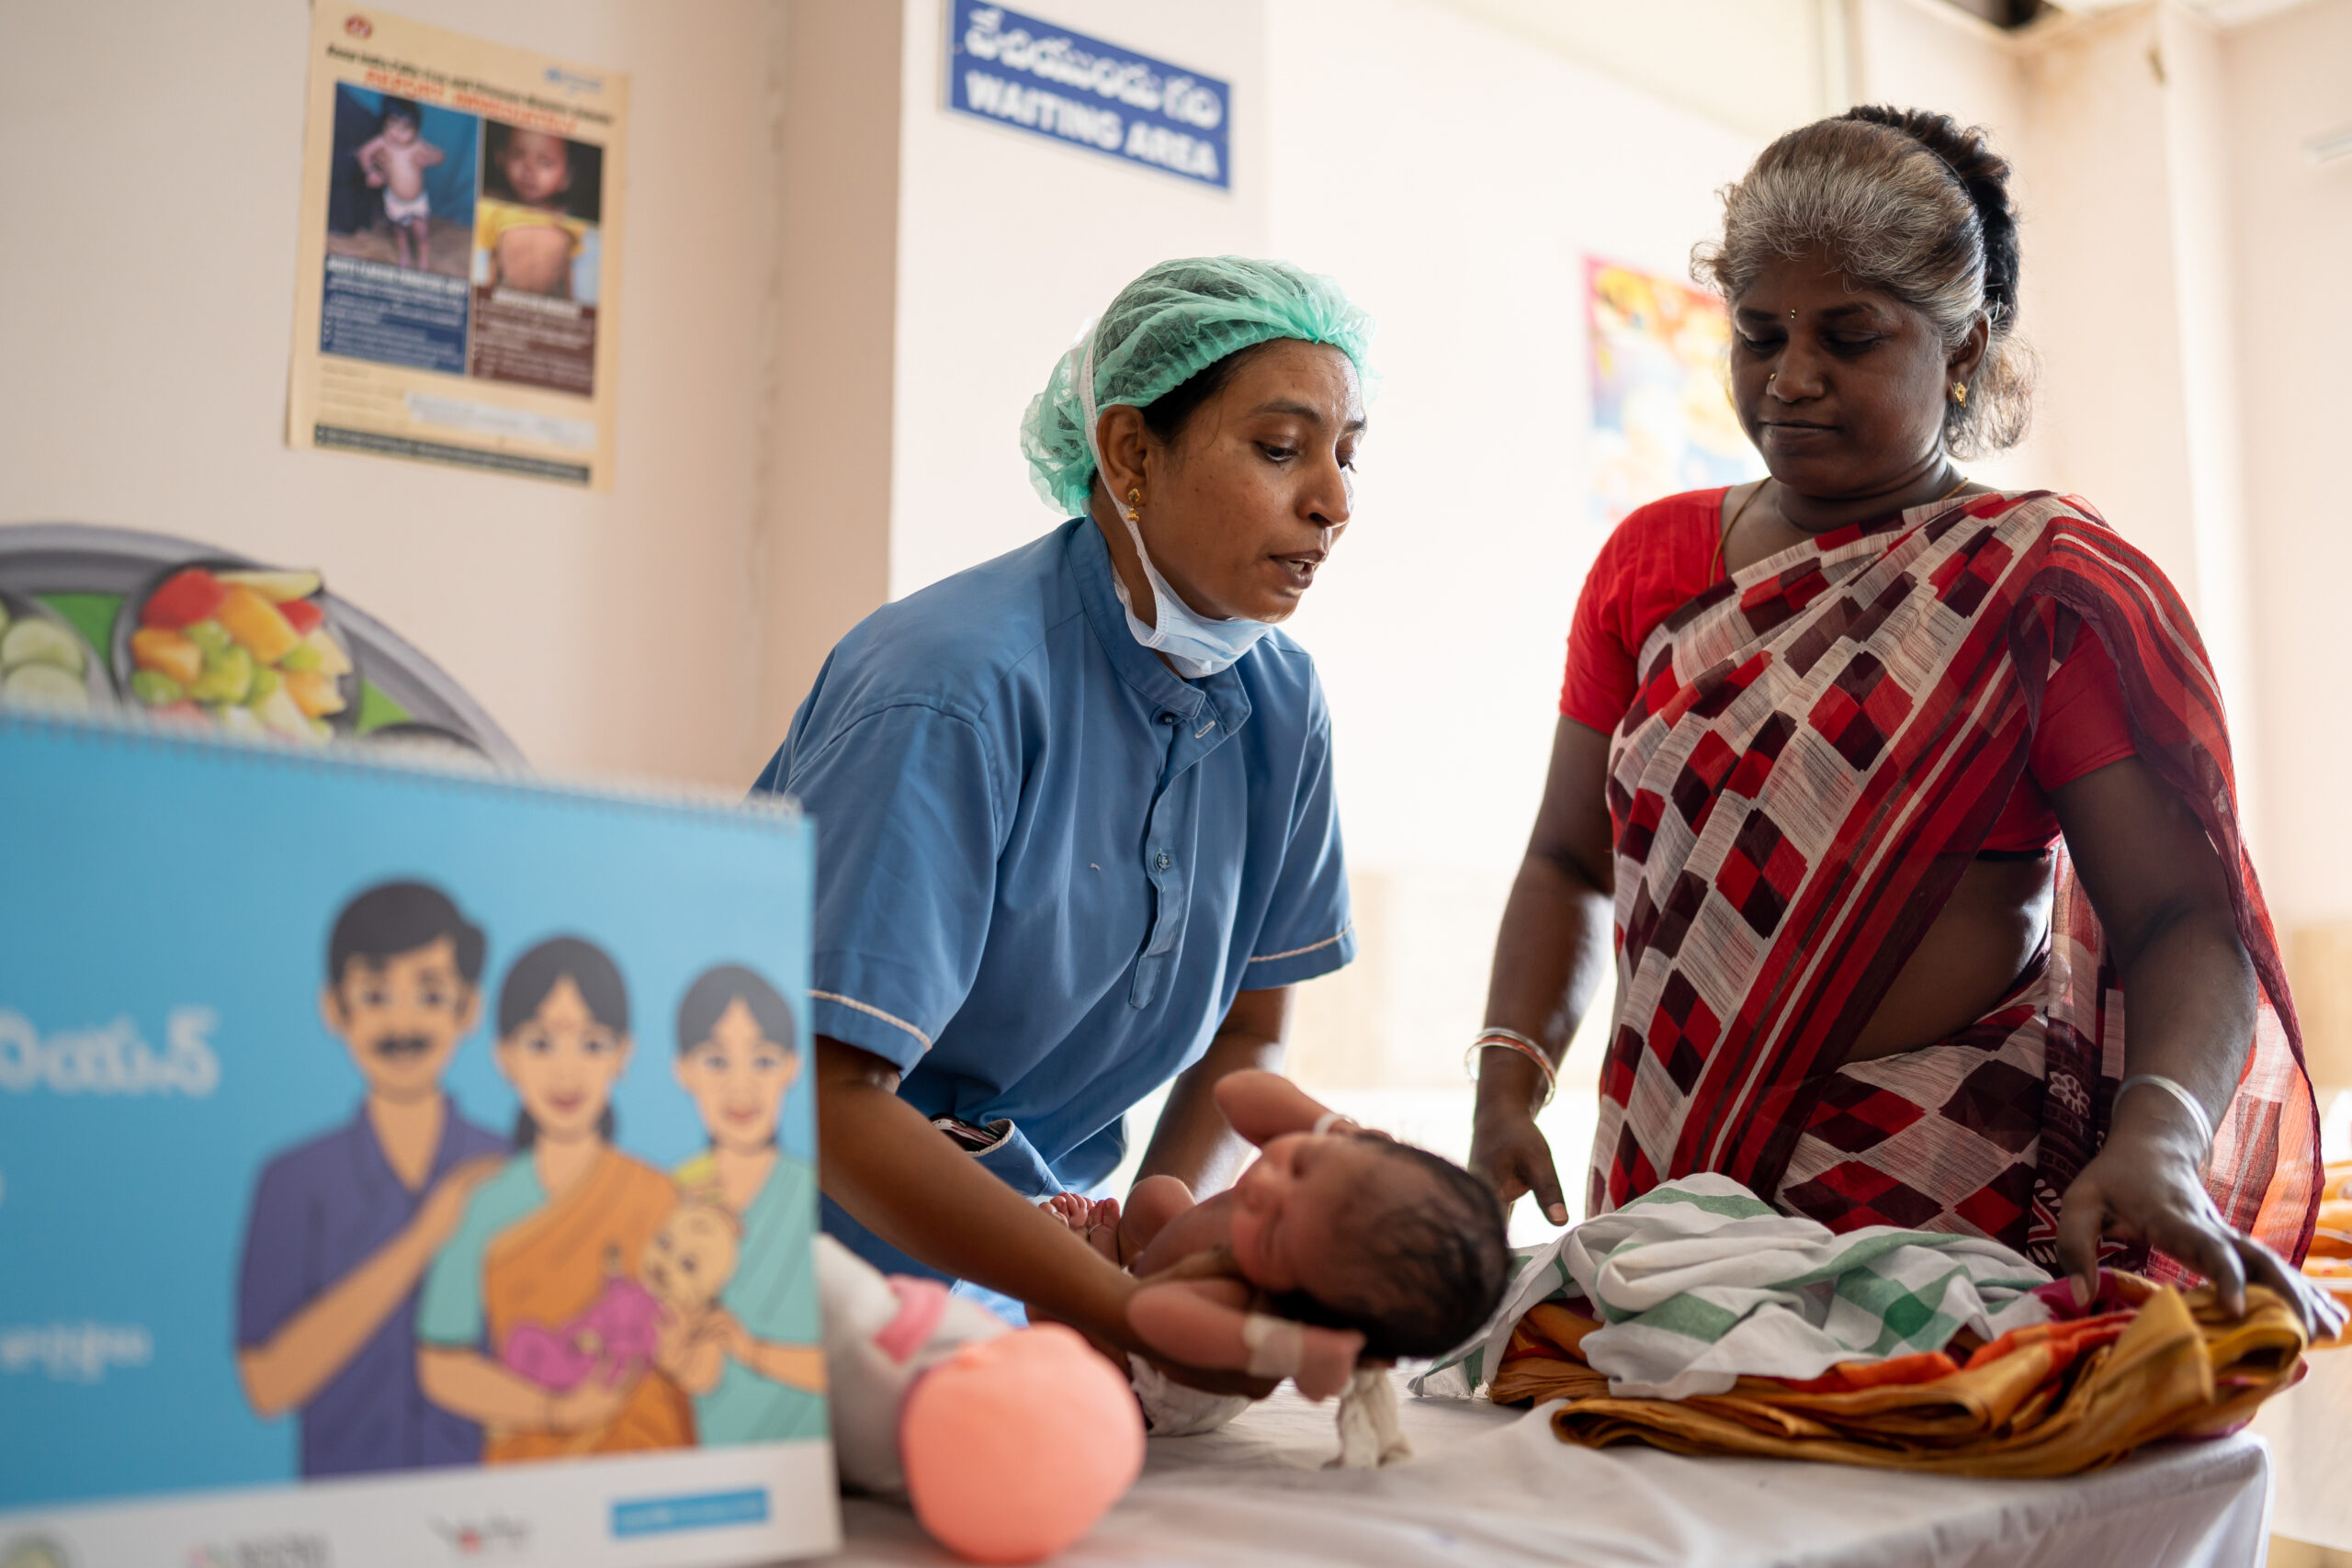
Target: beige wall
(150,188)
(1010,243)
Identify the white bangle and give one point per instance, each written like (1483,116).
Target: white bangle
(1275,1345)
(1512,1040)
(2195,1106)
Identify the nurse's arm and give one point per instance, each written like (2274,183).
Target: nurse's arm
(881,1159)
(1195,1142)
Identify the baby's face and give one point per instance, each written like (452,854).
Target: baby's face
(1289,1207)
(399,128)
(691,1257)
(538,166)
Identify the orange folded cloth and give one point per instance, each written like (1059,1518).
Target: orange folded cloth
(2053,1399)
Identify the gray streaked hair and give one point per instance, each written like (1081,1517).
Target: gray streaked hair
(1908,201)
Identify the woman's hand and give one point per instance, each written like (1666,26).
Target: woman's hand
(1507,1152)
(2144,1186)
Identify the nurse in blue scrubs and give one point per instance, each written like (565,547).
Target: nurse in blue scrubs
(1075,821)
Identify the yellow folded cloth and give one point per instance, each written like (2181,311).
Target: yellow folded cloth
(2054,1399)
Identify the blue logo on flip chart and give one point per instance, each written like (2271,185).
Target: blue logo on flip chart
(1051,81)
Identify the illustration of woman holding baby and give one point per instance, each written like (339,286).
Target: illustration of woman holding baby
(543,1318)
(757,1372)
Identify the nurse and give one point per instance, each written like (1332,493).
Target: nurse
(1074,806)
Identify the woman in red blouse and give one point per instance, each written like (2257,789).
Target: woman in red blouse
(1889,788)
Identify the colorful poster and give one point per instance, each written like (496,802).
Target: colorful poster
(459,252)
(397,1164)
(1662,419)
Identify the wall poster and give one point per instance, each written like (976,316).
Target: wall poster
(1662,420)
(459,252)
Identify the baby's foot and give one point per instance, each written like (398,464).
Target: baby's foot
(1070,1208)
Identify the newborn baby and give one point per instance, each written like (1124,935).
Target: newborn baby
(682,1270)
(1335,1244)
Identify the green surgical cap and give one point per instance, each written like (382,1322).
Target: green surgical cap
(1165,328)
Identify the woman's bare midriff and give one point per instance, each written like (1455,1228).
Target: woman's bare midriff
(1991,928)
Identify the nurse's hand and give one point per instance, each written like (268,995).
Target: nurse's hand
(1507,1150)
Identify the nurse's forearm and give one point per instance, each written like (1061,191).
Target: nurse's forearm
(1195,1142)
(882,1160)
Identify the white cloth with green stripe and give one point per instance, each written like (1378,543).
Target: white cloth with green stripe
(1698,1282)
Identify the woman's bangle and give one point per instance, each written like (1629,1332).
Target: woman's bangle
(1512,1040)
(2195,1106)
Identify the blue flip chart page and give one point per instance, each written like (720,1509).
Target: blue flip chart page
(399,1163)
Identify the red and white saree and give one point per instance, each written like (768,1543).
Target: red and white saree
(1815,753)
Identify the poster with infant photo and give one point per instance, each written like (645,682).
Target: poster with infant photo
(460,252)
(386,1153)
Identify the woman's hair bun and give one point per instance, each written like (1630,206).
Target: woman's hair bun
(1984,174)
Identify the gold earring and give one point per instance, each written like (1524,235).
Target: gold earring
(1135,500)
(1959,393)
(1773,376)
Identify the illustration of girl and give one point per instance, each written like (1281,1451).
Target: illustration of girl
(738,1056)
(541,1241)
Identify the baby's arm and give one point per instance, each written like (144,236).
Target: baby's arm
(1207,1323)
(372,161)
(428,154)
(1263,1106)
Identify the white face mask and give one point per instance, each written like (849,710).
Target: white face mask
(1194,643)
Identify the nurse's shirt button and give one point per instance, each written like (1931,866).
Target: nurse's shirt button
(1165,860)
(1167,718)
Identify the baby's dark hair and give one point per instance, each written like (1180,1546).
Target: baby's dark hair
(404,107)
(1438,1266)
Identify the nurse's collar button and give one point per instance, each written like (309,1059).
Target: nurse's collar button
(1164,861)
(1167,718)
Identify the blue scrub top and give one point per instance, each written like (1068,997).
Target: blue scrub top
(1045,864)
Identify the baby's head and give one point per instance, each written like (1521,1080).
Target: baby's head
(402,120)
(692,1256)
(537,167)
(1358,1231)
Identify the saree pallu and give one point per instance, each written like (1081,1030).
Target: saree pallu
(550,1268)
(1817,749)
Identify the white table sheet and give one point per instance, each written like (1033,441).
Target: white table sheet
(1496,1487)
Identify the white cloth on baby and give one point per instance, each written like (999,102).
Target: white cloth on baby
(403,209)
(1698,1282)
(1172,1410)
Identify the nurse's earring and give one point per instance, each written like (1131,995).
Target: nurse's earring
(1134,500)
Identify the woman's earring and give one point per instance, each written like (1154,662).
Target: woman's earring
(1959,393)
(1135,500)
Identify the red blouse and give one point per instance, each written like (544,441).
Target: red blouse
(1663,556)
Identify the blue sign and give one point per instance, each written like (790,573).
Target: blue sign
(1017,71)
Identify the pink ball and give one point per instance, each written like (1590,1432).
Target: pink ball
(1014,1445)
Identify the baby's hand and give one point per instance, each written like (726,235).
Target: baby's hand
(1071,1209)
(1327,1360)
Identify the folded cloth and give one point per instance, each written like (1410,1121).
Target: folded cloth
(2055,1398)
(1698,1282)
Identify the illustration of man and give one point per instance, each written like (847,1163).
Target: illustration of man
(344,1226)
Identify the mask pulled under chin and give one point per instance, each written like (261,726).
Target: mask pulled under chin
(1195,645)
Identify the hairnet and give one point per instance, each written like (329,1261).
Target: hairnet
(1166,327)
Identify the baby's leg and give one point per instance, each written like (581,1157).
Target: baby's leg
(1155,1200)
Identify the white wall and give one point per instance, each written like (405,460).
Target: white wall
(1008,242)
(2289,222)
(150,187)
(1456,178)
